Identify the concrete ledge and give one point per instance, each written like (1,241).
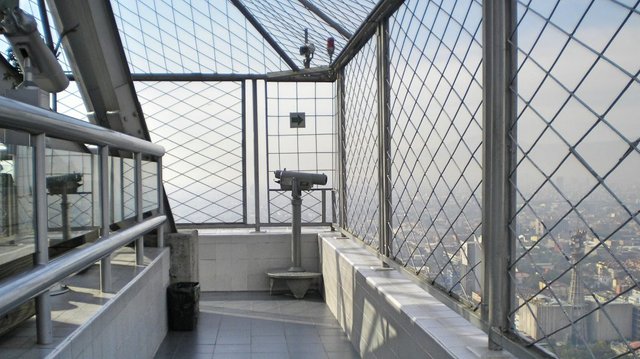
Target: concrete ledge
(132,324)
(386,315)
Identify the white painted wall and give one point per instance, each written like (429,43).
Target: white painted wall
(239,261)
(132,324)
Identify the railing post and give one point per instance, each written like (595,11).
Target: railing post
(342,160)
(160,231)
(105,210)
(256,154)
(243,89)
(138,201)
(323,215)
(384,138)
(43,301)
(498,199)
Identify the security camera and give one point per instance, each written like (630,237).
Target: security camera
(37,61)
(304,180)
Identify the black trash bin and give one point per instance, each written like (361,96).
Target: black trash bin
(182,301)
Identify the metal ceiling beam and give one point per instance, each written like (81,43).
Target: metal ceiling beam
(99,64)
(367,29)
(265,34)
(334,24)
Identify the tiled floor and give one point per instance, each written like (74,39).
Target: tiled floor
(256,325)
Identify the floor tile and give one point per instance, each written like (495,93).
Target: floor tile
(258,326)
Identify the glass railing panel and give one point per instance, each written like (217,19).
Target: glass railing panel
(72,196)
(149,186)
(16,198)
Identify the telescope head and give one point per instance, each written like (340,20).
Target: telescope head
(38,62)
(305,180)
(68,183)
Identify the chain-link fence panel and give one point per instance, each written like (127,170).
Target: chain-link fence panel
(191,37)
(576,223)
(361,144)
(201,127)
(304,143)
(436,100)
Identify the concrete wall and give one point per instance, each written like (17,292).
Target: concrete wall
(131,325)
(238,262)
(387,315)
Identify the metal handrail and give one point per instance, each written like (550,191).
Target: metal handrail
(22,287)
(20,116)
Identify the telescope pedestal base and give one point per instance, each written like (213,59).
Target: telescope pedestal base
(298,282)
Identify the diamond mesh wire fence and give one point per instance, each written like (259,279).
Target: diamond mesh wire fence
(306,149)
(286,20)
(361,142)
(191,36)
(200,126)
(576,222)
(349,14)
(436,96)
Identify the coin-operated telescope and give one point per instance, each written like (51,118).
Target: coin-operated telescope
(296,182)
(39,64)
(62,186)
(303,180)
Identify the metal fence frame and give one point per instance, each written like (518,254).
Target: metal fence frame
(40,124)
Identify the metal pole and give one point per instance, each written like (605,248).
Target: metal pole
(256,159)
(160,230)
(244,152)
(296,230)
(43,300)
(105,210)
(342,159)
(323,216)
(384,140)
(334,24)
(138,200)
(20,287)
(265,34)
(498,157)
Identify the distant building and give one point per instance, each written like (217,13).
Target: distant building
(545,315)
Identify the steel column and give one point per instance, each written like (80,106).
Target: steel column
(296,228)
(43,300)
(341,152)
(244,152)
(105,206)
(323,215)
(498,157)
(384,139)
(256,154)
(160,231)
(138,200)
